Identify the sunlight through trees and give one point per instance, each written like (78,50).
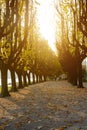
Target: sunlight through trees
(31,31)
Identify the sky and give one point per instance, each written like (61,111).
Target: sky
(47,22)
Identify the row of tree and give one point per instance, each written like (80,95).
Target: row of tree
(22,50)
(73,45)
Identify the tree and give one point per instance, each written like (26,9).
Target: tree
(10,47)
(76,50)
(7,26)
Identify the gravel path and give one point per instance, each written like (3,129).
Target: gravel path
(52,105)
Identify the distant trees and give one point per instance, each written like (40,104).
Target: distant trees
(73,48)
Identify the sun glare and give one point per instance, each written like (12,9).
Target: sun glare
(46,21)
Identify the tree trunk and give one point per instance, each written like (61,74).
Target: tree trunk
(33,78)
(28,75)
(24,80)
(20,80)
(40,78)
(13,79)
(72,77)
(75,76)
(80,76)
(44,78)
(4,90)
(36,78)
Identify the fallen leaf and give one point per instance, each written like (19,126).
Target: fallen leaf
(60,128)
(39,127)
(1,128)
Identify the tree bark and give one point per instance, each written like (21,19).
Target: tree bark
(40,78)
(80,76)
(4,90)
(20,85)
(13,79)
(44,78)
(24,79)
(75,76)
(33,78)
(28,75)
(36,78)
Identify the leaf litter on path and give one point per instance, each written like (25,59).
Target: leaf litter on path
(51,105)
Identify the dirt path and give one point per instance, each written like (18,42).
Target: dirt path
(53,105)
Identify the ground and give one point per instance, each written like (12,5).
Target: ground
(52,105)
